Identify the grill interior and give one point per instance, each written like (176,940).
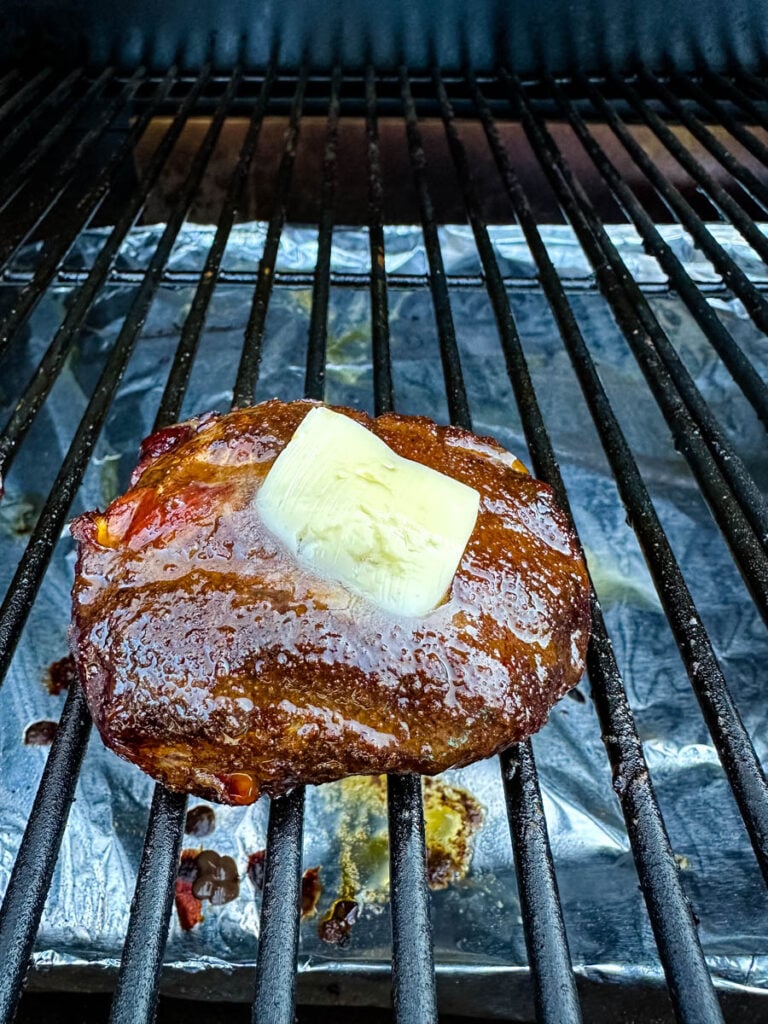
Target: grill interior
(81,151)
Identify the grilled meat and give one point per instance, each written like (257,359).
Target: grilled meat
(215,662)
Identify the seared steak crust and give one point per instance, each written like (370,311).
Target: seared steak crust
(214,662)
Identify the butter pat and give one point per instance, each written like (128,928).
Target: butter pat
(351,510)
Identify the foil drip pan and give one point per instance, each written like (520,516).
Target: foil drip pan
(479,944)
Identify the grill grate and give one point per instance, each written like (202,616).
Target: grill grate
(48,108)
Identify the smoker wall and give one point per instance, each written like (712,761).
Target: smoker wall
(531,36)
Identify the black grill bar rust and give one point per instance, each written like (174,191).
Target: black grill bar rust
(413,968)
(671,917)
(554,983)
(736,502)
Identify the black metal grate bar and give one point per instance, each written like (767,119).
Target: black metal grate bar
(458,407)
(722,86)
(84,209)
(280,912)
(15,181)
(555,994)
(33,869)
(671,917)
(176,385)
(737,504)
(733,276)
(645,336)
(138,981)
(248,371)
(37,390)
(39,549)
(742,370)
(164,834)
(722,201)
(60,92)
(738,170)
(383,394)
(39,204)
(554,984)
(20,97)
(413,967)
(314,384)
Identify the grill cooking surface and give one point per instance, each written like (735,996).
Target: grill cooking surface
(82,152)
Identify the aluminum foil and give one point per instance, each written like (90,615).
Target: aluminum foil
(479,942)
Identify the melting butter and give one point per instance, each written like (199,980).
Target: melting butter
(352,510)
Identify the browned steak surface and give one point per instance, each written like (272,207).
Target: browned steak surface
(217,664)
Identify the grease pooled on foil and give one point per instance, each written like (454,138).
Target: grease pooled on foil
(479,942)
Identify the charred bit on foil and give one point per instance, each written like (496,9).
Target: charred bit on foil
(40,734)
(200,821)
(188,907)
(60,675)
(311,891)
(452,817)
(217,878)
(203,875)
(336,925)
(311,886)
